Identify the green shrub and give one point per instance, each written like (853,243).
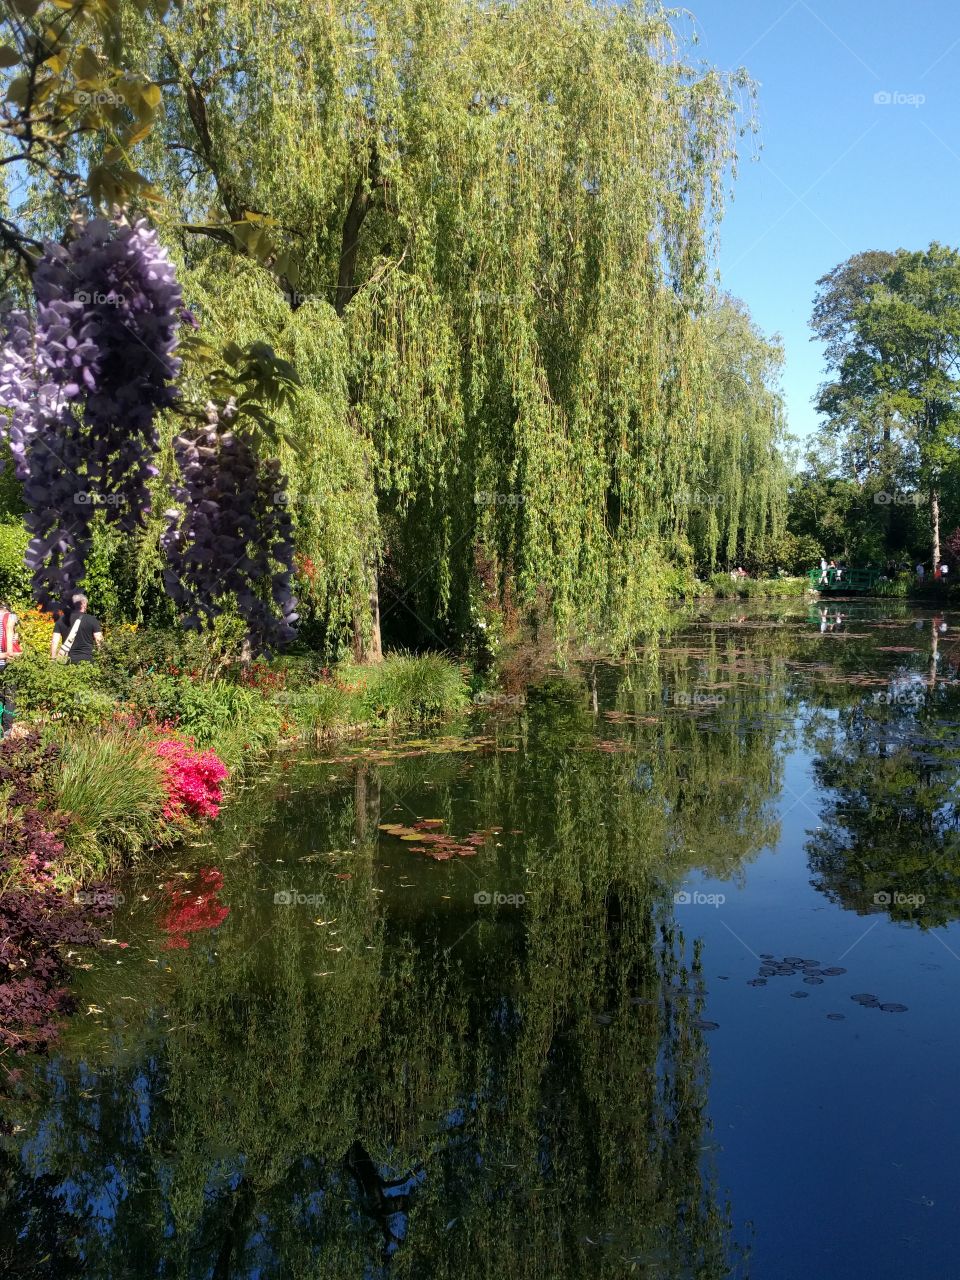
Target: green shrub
(129,651)
(232,719)
(67,692)
(14,578)
(724,587)
(111,784)
(405,689)
(319,709)
(897,587)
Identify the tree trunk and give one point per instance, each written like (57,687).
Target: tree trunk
(934,651)
(368,648)
(366,804)
(935,526)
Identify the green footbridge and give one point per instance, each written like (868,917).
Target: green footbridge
(844,583)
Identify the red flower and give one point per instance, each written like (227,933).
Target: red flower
(193,780)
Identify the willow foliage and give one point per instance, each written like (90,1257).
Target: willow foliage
(482,232)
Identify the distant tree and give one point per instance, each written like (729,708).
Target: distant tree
(840,292)
(895,398)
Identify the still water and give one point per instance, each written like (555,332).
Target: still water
(655,974)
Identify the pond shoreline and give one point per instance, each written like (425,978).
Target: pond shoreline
(60,851)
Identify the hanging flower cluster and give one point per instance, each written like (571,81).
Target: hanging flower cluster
(193,780)
(83,386)
(235,535)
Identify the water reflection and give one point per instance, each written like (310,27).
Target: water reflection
(323,1054)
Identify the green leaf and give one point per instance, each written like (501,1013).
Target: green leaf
(18,90)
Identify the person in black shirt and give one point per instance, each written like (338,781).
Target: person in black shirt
(87,638)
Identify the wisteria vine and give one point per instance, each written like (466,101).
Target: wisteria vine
(82,382)
(235,533)
(83,385)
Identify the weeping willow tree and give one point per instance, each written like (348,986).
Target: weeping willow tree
(483,231)
(740,505)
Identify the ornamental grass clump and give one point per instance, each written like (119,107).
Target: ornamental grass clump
(113,786)
(407,689)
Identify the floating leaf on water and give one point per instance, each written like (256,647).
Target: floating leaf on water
(799,995)
(833,972)
(813,981)
(704,1024)
(865,999)
(793,960)
(894,1008)
(837,1017)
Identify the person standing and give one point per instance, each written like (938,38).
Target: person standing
(61,625)
(78,638)
(920,572)
(10,650)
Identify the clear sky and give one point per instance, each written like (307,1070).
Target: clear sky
(839,172)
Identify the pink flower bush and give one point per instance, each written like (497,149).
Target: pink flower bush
(193,780)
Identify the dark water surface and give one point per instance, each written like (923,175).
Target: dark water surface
(666,985)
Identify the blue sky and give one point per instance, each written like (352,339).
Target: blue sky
(838,172)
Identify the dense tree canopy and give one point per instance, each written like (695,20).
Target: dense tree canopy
(892,328)
(482,235)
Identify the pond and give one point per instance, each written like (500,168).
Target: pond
(651,970)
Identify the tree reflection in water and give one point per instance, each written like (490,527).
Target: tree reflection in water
(410,1082)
